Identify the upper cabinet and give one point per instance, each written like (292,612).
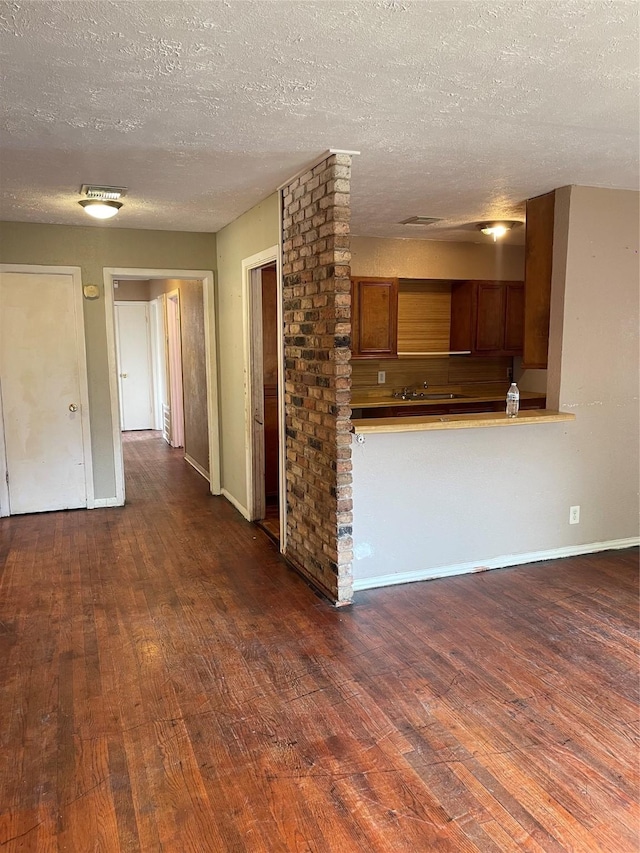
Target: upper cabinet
(487,317)
(424,316)
(420,317)
(374,317)
(537,278)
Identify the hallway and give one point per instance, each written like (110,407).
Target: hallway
(169,684)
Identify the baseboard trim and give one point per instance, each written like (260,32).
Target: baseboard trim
(102,502)
(236,503)
(360,584)
(191,461)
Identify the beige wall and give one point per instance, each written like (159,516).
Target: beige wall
(131,291)
(461,498)
(93,248)
(373,256)
(253,232)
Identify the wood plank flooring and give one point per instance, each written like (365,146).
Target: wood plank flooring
(169,684)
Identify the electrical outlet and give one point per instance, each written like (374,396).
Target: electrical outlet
(382,377)
(574,515)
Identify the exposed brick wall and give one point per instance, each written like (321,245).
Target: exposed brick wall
(317,318)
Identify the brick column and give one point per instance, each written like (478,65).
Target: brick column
(317,335)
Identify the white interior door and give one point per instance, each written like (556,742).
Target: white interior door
(44,393)
(133,352)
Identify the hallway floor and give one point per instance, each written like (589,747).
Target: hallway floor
(167,683)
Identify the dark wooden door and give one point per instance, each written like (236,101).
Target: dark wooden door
(270,381)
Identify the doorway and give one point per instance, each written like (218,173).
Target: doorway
(269,321)
(166,309)
(264,408)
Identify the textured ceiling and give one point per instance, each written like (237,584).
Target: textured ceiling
(461,109)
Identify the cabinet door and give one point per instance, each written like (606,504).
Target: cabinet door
(490,296)
(462,317)
(374,318)
(514,318)
(537,277)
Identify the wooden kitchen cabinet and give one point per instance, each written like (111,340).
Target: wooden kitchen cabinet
(374,317)
(538,263)
(487,317)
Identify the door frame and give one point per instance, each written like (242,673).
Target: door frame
(211,364)
(174,365)
(252,332)
(83,382)
(158,336)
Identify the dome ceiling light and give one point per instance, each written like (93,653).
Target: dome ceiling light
(497,229)
(101,202)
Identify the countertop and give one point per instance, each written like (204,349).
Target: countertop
(419,423)
(487,392)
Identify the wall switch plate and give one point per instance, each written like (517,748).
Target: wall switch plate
(574,515)
(382,377)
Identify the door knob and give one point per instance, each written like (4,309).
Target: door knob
(73,407)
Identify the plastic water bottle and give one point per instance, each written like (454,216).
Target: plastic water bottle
(513,401)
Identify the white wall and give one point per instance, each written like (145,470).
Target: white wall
(428,503)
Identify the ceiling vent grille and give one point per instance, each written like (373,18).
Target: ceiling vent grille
(420,220)
(102,193)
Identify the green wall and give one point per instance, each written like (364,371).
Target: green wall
(93,248)
(253,232)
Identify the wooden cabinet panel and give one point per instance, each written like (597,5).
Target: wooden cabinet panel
(462,316)
(514,318)
(374,318)
(490,298)
(424,317)
(538,263)
(487,317)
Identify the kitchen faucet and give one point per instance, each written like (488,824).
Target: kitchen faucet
(410,393)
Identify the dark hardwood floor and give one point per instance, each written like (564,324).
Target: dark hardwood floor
(169,684)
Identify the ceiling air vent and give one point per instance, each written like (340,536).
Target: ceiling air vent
(420,220)
(103,193)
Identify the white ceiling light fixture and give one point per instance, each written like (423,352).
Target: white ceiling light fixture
(496,229)
(101,202)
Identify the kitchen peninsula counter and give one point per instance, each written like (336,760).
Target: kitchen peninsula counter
(471,420)
(486,393)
